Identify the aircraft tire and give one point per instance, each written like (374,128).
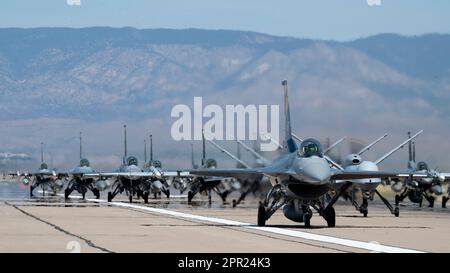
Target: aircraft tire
(444,201)
(397,199)
(397,212)
(145,197)
(97,194)
(307,220)
(190,196)
(330,217)
(66,194)
(262,217)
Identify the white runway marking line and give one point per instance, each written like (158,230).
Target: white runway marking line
(79,196)
(298,234)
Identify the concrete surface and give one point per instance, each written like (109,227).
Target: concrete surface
(50,224)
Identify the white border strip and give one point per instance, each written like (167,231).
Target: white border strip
(374,247)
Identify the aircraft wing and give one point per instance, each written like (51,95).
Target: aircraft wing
(53,174)
(236,173)
(175,173)
(347,175)
(121,174)
(445,176)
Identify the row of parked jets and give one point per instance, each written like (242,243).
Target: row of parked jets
(302,179)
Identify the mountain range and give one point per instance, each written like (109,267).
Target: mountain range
(57,81)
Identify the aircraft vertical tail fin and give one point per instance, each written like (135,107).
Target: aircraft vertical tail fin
(192,156)
(145,151)
(42,152)
(289,143)
(410,158)
(151,149)
(125,152)
(203,149)
(81,147)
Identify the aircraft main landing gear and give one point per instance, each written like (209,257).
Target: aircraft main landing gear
(274,200)
(329,215)
(167,193)
(444,201)
(110,197)
(145,197)
(262,217)
(394,210)
(67,192)
(364,207)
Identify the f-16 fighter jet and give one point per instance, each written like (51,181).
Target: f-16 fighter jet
(207,183)
(81,182)
(46,179)
(300,177)
(417,188)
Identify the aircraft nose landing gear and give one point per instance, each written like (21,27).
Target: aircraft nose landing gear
(307,215)
(96,193)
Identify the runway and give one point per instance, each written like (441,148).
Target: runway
(50,224)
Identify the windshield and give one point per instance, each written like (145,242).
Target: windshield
(310,147)
(157,164)
(132,161)
(422,166)
(211,163)
(84,162)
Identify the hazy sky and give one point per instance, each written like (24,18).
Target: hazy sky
(326,19)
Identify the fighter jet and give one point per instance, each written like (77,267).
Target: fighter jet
(46,179)
(300,177)
(182,183)
(255,183)
(82,183)
(157,183)
(129,178)
(207,183)
(135,181)
(420,187)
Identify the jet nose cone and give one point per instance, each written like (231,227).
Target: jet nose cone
(156,185)
(316,172)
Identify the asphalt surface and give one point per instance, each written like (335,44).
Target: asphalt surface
(51,224)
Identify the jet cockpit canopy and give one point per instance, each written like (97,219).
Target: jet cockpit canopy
(131,160)
(310,147)
(84,163)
